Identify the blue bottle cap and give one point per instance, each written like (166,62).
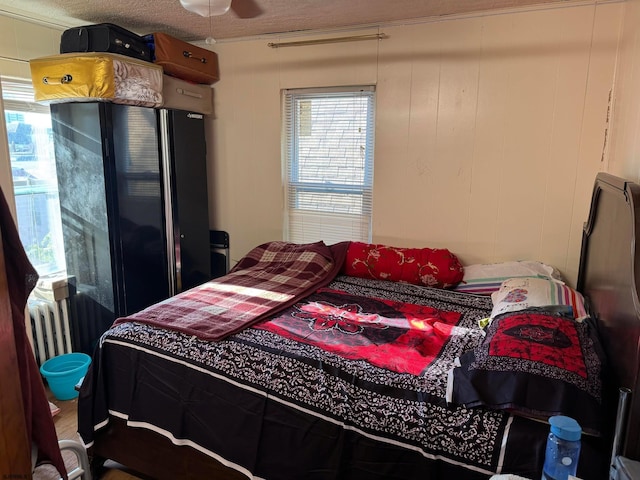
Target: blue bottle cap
(565,428)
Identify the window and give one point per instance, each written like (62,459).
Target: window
(33,169)
(328,135)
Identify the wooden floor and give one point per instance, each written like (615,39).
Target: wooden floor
(66,427)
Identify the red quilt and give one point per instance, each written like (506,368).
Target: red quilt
(398,336)
(268,279)
(535,363)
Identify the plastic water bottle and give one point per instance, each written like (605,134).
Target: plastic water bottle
(563,449)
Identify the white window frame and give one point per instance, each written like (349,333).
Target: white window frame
(18,96)
(347,211)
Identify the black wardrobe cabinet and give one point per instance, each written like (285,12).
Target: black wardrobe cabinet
(134,205)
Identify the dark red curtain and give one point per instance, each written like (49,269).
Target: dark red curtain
(22,277)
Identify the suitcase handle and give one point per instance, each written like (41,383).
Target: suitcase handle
(64,79)
(182,91)
(188,54)
(128,46)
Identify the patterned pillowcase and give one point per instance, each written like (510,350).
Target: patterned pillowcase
(486,278)
(536,364)
(521,293)
(420,266)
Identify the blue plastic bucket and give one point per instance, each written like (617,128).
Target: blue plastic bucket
(64,372)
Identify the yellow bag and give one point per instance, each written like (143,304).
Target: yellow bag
(84,77)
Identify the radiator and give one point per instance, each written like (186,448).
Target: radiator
(50,328)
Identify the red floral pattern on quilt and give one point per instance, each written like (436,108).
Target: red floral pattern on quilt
(432,267)
(398,336)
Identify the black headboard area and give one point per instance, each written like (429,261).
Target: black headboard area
(609,277)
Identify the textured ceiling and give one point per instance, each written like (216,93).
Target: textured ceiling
(247,17)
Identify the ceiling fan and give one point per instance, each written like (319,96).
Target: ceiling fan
(210,8)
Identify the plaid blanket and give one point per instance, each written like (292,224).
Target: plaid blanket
(269,278)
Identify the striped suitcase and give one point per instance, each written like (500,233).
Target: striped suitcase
(183,95)
(84,77)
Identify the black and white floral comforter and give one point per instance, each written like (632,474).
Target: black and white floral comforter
(272,407)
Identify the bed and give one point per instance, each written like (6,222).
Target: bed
(286,398)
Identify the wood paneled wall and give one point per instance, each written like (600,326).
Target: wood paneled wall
(624,139)
(490,130)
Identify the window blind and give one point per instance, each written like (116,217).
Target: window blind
(17,95)
(328,139)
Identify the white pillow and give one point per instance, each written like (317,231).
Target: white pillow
(521,293)
(486,278)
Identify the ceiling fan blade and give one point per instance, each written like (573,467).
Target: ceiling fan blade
(246,8)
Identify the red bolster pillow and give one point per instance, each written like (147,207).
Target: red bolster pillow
(432,267)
